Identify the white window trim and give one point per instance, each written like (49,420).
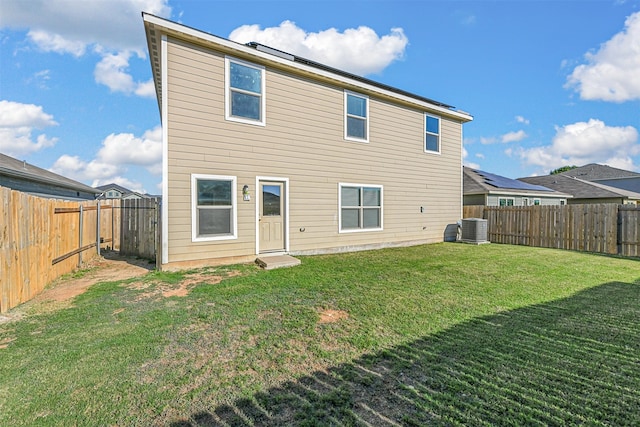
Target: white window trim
(227,89)
(194,207)
(359,230)
(346,136)
(513,199)
(424,143)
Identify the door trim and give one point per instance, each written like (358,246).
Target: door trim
(285,183)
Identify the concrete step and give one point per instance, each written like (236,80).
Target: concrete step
(269,262)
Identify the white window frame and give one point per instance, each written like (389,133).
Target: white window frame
(194,207)
(227,93)
(439,134)
(513,201)
(359,230)
(348,93)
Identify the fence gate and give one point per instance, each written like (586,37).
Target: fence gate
(140,228)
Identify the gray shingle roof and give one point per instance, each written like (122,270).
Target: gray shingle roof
(595,172)
(20,169)
(114,186)
(480,182)
(579,188)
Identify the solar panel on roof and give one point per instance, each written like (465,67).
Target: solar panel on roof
(503,182)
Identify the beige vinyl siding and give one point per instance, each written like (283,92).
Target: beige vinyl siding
(303,140)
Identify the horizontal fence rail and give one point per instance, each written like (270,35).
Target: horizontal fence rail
(42,239)
(601,228)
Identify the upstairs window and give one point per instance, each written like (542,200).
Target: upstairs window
(245,84)
(432,134)
(356,119)
(360,207)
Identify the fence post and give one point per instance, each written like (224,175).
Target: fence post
(80,238)
(113,219)
(98,227)
(158,242)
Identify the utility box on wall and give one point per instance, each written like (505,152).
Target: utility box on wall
(474,230)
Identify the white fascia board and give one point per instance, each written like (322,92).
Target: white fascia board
(210,38)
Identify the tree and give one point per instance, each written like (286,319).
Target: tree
(562,169)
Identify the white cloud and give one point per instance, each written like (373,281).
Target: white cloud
(522,120)
(465,162)
(146,89)
(56,43)
(357,50)
(118,153)
(113,27)
(125,148)
(17,123)
(505,138)
(111,72)
(78,169)
(40,79)
(613,72)
(488,140)
(586,142)
(113,24)
(513,136)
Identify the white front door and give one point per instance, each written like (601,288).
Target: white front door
(271,216)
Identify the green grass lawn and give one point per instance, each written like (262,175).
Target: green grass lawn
(444,334)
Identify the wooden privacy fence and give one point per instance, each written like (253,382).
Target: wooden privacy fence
(601,228)
(42,239)
(629,230)
(139,233)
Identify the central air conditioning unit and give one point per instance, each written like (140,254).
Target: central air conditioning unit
(474,230)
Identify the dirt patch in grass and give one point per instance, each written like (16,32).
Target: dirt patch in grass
(332,316)
(109,268)
(4,343)
(58,295)
(181,289)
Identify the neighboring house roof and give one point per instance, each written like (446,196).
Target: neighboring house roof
(113,186)
(155,27)
(21,170)
(579,188)
(124,191)
(596,172)
(481,182)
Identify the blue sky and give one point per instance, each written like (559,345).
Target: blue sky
(549,83)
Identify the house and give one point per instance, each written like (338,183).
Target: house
(487,189)
(607,175)
(265,152)
(22,176)
(584,191)
(115,191)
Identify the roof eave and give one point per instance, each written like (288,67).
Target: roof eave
(171,28)
(48,181)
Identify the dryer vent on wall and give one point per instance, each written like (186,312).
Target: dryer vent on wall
(474,230)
